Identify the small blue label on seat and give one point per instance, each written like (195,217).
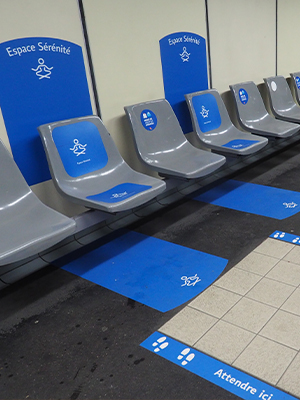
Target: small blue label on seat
(239,143)
(207,112)
(80,148)
(243,96)
(119,193)
(297,82)
(148,119)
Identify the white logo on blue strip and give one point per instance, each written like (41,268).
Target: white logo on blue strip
(186,356)
(160,344)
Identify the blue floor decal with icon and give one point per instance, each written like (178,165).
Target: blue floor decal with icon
(159,274)
(234,381)
(252,198)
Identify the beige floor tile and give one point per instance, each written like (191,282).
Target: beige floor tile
(257,263)
(188,325)
(274,248)
(290,381)
(293,303)
(224,341)
(238,281)
(250,314)
(286,272)
(294,255)
(270,292)
(283,328)
(265,359)
(215,301)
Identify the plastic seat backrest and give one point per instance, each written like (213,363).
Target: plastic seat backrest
(249,103)
(280,94)
(155,128)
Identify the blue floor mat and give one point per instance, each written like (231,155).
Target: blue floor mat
(252,198)
(159,274)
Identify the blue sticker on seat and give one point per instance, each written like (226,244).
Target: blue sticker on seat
(298,82)
(239,143)
(159,274)
(243,95)
(207,112)
(148,119)
(119,193)
(223,375)
(80,148)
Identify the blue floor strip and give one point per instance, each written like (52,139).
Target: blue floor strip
(223,375)
(252,198)
(286,237)
(159,274)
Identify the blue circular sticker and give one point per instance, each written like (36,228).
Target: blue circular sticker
(148,119)
(297,82)
(243,96)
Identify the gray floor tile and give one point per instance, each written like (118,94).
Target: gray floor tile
(215,301)
(224,341)
(283,328)
(238,281)
(293,303)
(250,314)
(265,359)
(274,248)
(188,325)
(290,381)
(294,255)
(257,263)
(270,292)
(286,272)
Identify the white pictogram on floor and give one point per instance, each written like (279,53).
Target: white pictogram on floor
(160,344)
(186,356)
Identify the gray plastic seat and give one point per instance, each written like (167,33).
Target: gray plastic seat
(214,128)
(282,104)
(27,226)
(87,168)
(253,115)
(295,79)
(162,145)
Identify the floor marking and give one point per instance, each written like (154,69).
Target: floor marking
(252,198)
(223,375)
(286,237)
(159,274)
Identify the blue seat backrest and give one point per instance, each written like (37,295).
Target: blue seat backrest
(80,147)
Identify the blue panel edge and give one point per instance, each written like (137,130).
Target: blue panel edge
(234,381)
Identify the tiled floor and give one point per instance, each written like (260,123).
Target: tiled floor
(250,317)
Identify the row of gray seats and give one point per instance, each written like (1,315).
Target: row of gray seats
(88,169)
